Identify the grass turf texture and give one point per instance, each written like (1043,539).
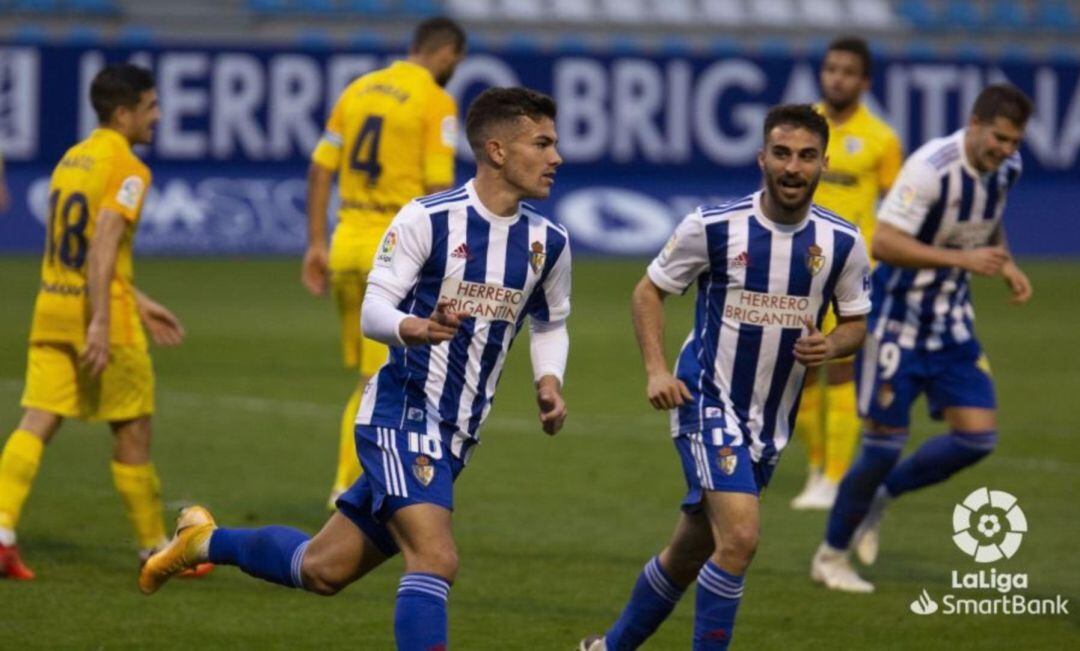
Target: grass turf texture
(551,532)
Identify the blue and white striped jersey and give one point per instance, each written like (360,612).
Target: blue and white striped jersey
(758,281)
(941,200)
(448,246)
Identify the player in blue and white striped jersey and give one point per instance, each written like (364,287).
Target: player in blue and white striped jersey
(766,268)
(941,222)
(455,278)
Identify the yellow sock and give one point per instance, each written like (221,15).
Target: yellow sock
(841,429)
(18,467)
(348,466)
(140,491)
(808,425)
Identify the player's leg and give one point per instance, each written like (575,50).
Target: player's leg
(842,425)
(347,287)
(136,481)
(735,523)
(810,428)
(423,532)
(660,584)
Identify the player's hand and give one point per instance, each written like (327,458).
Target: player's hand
(985,260)
(813,348)
(441,326)
(164,326)
(551,403)
(313,272)
(95,356)
(665,391)
(1018,283)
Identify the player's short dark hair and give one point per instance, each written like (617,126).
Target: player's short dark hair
(434,33)
(857,46)
(497,106)
(1004,101)
(798,115)
(118,84)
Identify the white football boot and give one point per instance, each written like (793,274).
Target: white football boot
(832,568)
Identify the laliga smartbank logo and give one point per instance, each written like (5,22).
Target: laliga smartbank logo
(989,526)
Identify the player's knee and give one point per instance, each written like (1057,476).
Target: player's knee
(441,560)
(740,544)
(976,444)
(322,578)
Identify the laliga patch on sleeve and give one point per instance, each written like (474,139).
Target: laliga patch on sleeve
(130,192)
(448,130)
(907,196)
(669,248)
(385,256)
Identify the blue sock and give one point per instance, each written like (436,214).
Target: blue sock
(652,600)
(718,596)
(420,615)
(879,454)
(269,553)
(938,459)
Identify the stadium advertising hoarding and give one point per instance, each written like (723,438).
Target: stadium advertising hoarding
(645,138)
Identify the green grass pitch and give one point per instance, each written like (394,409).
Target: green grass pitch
(552,531)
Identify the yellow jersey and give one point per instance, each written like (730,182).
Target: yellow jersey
(99,173)
(390,136)
(864,158)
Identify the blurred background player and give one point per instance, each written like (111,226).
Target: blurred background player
(738,376)
(864,159)
(5,196)
(390,138)
(88,354)
(940,224)
(421,416)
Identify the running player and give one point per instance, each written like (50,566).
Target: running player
(864,159)
(766,267)
(455,277)
(941,223)
(390,138)
(88,354)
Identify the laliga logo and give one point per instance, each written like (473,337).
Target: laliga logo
(979,521)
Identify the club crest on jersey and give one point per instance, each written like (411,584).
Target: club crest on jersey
(537,257)
(423,470)
(815,259)
(727,461)
(853,144)
(885,395)
(386,249)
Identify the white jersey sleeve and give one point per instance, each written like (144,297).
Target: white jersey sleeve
(916,189)
(684,257)
(403,251)
(852,294)
(556,288)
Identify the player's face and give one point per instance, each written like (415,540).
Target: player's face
(993,142)
(531,157)
(842,79)
(448,59)
(144,117)
(792,162)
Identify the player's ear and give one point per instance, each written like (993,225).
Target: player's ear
(495,152)
(761,159)
(825,162)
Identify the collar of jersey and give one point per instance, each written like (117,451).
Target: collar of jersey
(483,211)
(860,112)
(777,227)
(110,134)
(416,67)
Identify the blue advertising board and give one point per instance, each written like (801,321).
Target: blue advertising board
(645,138)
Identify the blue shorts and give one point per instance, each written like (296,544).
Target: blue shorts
(889,379)
(400,469)
(711,464)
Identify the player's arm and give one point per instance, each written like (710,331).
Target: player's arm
(683,259)
(403,251)
(439,139)
(100,267)
(549,340)
(164,326)
(1016,280)
(320,179)
(902,216)
(852,302)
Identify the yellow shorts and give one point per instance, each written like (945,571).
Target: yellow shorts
(56,383)
(352,251)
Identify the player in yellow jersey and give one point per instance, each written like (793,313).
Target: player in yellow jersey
(88,352)
(389,139)
(864,159)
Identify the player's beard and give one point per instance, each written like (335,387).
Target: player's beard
(842,104)
(775,191)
